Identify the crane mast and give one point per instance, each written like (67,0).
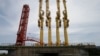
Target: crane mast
(40,22)
(58,23)
(48,23)
(21,34)
(65,22)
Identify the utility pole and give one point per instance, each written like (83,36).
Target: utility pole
(40,22)
(48,23)
(65,22)
(58,23)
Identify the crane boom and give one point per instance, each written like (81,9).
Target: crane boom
(40,22)
(21,34)
(65,22)
(48,23)
(58,23)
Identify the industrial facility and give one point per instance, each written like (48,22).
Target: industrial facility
(22,30)
(40,48)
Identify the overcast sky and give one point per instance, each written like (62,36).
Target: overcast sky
(83,15)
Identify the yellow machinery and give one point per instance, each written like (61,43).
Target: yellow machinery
(40,22)
(48,23)
(58,23)
(65,22)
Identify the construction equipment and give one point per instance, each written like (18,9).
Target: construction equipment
(21,34)
(40,22)
(65,22)
(48,23)
(58,23)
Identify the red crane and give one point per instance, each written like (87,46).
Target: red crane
(21,34)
